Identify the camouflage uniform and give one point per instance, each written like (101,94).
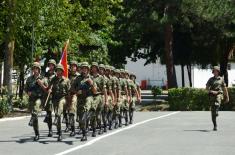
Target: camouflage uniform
(60,90)
(215,84)
(72,102)
(49,107)
(35,99)
(108,108)
(133,86)
(85,106)
(98,98)
(124,97)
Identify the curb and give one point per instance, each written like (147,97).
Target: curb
(13,118)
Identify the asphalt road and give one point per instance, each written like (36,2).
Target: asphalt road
(153,133)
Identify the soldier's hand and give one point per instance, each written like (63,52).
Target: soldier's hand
(49,90)
(227,100)
(139,100)
(39,82)
(90,82)
(213,92)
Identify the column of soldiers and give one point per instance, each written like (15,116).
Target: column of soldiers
(96,96)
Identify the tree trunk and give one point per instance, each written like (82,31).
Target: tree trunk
(9,48)
(182,74)
(171,77)
(21,82)
(0,77)
(189,69)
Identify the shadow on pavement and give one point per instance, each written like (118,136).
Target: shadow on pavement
(198,130)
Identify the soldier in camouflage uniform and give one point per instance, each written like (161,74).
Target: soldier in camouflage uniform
(35,87)
(217,89)
(109,106)
(85,88)
(117,116)
(100,98)
(125,98)
(115,89)
(136,96)
(48,107)
(59,88)
(72,102)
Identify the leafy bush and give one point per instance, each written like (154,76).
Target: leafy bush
(231,105)
(195,99)
(188,99)
(4,108)
(156,91)
(21,103)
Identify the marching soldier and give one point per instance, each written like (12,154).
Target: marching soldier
(59,88)
(85,89)
(35,87)
(136,96)
(217,90)
(100,97)
(48,107)
(124,97)
(109,106)
(72,102)
(115,90)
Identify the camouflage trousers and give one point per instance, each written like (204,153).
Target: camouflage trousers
(99,102)
(59,105)
(35,109)
(108,112)
(215,102)
(86,110)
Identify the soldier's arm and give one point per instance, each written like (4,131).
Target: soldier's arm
(43,84)
(111,94)
(225,90)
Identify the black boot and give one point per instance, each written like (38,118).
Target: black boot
(59,139)
(56,121)
(36,130)
(214,122)
(120,121)
(36,138)
(94,132)
(50,134)
(31,121)
(100,131)
(84,136)
(131,113)
(72,134)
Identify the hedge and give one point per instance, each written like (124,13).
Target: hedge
(187,99)
(4,107)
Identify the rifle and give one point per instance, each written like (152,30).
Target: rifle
(45,104)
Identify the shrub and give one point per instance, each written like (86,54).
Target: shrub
(188,99)
(4,107)
(156,91)
(195,99)
(21,103)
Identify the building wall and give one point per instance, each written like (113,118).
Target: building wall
(155,74)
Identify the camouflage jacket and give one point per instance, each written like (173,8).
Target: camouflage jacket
(60,87)
(33,87)
(216,84)
(100,82)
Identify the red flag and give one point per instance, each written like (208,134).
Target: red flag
(63,60)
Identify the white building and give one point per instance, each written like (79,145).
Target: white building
(155,74)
